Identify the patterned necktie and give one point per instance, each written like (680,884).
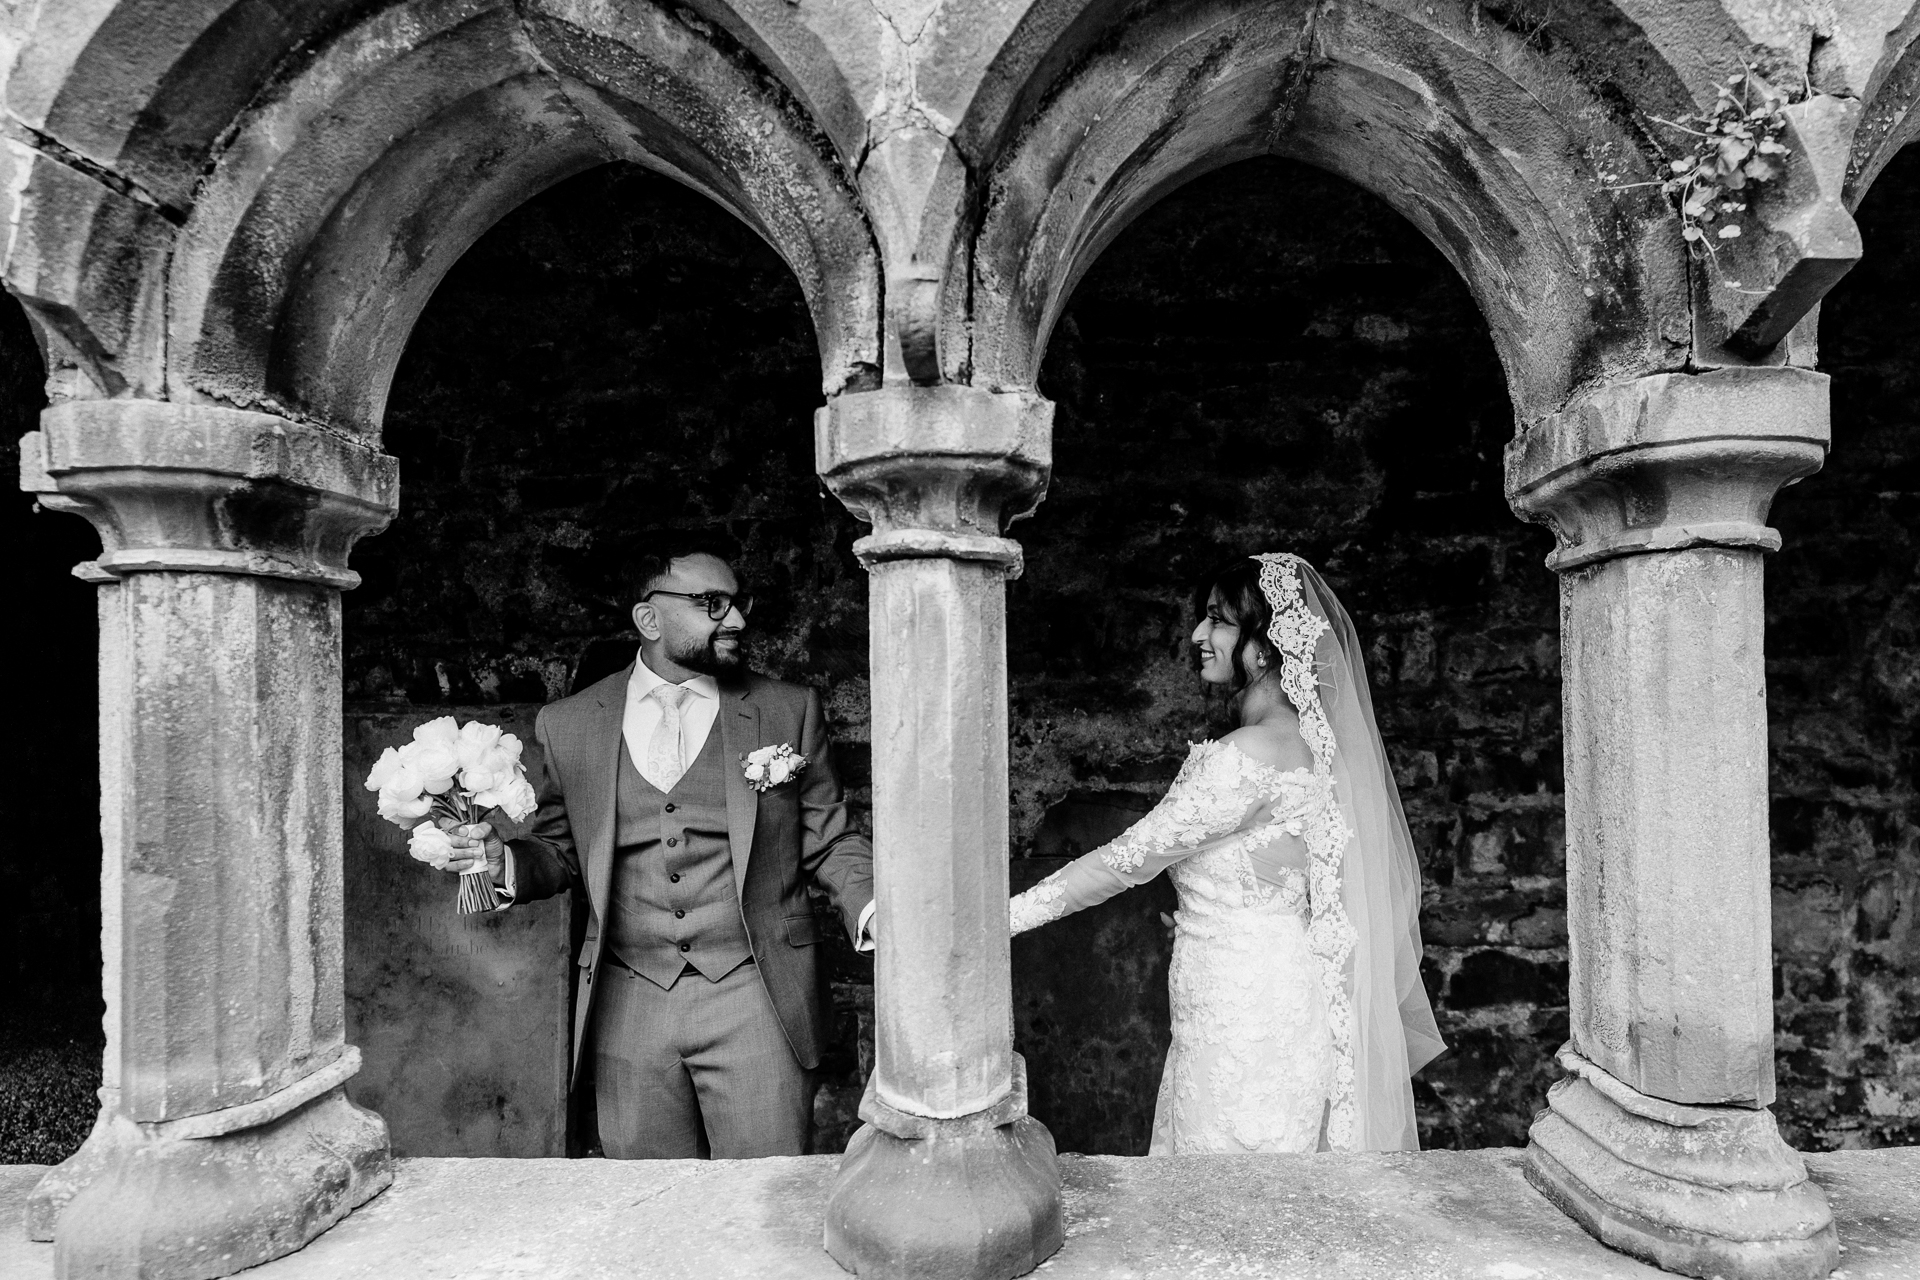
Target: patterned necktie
(664,765)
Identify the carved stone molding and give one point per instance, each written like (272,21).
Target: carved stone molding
(1705,1191)
(1668,462)
(198,488)
(912,1126)
(938,471)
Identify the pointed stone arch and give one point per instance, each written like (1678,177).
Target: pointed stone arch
(225,219)
(1506,162)
(286,275)
(1888,120)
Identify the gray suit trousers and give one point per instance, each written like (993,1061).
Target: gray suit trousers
(696,1070)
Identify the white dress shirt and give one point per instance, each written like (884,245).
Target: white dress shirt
(697,715)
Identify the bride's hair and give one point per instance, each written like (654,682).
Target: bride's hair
(1244,604)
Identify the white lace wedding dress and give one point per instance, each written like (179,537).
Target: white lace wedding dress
(1261,1054)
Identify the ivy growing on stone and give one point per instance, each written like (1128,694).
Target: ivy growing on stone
(1736,146)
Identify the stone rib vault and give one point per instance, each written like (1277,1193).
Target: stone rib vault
(224,216)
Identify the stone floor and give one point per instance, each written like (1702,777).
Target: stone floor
(1434,1215)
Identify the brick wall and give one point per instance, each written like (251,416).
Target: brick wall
(1843,688)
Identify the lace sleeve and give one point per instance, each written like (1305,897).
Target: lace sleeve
(1216,793)
(1044,902)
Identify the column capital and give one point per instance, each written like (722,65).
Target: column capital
(204,489)
(1669,461)
(938,471)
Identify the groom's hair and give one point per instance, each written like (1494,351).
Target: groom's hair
(1245,605)
(644,572)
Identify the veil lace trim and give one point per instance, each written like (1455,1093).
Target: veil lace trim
(1296,631)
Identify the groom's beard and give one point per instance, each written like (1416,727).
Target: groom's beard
(710,658)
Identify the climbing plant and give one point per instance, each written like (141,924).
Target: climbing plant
(1736,146)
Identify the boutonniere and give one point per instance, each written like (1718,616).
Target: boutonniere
(771,766)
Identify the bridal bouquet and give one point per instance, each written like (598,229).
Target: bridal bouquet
(453,771)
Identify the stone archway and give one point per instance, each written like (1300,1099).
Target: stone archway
(1247,369)
(225,311)
(224,224)
(1387,104)
(617,359)
(1660,405)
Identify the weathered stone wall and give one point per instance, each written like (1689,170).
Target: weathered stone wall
(462,1021)
(1843,683)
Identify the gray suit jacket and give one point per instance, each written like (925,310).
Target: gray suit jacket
(781,837)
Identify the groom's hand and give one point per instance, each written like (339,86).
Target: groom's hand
(475,846)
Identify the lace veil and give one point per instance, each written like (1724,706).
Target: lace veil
(1365,926)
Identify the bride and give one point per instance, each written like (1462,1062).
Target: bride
(1298,1012)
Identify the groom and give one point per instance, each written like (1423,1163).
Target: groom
(698,997)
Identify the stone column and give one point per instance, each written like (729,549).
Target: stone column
(1659,1140)
(224,1137)
(949,1177)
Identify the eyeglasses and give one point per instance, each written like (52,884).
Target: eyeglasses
(717,603)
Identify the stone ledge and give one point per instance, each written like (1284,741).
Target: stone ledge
(1435,1215)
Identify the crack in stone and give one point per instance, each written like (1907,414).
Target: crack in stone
(530,44)
(657,1192)
(1296,78)
(52,148)
(900,108)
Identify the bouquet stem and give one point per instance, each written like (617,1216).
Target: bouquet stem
(476,894)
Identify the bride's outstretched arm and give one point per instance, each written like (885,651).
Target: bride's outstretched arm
(1215,795)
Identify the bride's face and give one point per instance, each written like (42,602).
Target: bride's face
(1216,637)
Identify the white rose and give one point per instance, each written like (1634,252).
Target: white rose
(400,787)
(486,775)
(488,760)
(514,797)
(431,846)
(755,770)
(433,755)
(503,762)
(384,769)
(401,804)
(444,730)
(476,743)
(779,771)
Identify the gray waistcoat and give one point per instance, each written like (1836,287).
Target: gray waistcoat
(672,901)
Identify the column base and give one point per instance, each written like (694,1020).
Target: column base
(975,1198)
(1704,1191)
(158,1206)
